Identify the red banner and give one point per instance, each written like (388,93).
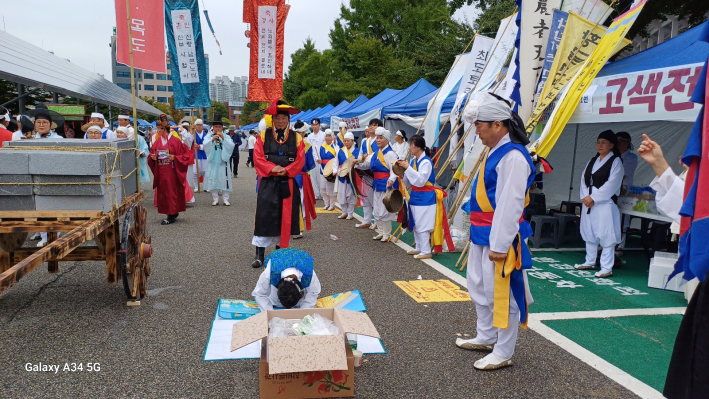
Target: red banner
(147,21)
(268,19)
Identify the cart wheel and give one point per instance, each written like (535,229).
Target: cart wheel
(136,250)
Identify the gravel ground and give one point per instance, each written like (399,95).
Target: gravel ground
(156,349)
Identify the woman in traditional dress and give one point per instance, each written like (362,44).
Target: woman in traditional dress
(600,218)
(400,144)
(327,154)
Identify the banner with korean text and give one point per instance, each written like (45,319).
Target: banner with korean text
(267,19)
(479,56)
(578,42)
(607,46)
(147,26)
(534,36)
(190,80)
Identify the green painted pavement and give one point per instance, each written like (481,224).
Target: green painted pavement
(639,345)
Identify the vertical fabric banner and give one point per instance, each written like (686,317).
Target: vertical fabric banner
(147,25)
(479,55)
(187,63)
(608,45)
(536,21)
(593,10)
(578,42)
(268,18)
(556,31)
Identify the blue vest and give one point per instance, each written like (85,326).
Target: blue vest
(422,198)
(282,259)
(200,153)
(377,167)
(325,155)
(308,166)
(480,230)
(341,158)
(372,148)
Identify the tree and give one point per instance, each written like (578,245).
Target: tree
(293,88)
(176,114)
(217,108)
(251,112)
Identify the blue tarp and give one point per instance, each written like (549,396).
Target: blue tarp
(306,116)
(323,111)
(354,104)
(374,103)
(411,93)
(683,49)
(336,108)
(420,105)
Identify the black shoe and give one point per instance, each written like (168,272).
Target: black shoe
(168,221)
(256,264)
(260,255)
(278,247)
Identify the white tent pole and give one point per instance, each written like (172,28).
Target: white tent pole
(573,163)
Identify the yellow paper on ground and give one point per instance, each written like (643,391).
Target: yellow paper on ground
(609,45)
(578,42)
(429,291)
(321,210)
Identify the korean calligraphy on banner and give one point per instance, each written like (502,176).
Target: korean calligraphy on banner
(190,80)
(479,56)
(267,19)
(267,42)
(607,46)
(556,30)
(658,94)
(534,35)
(185,45)
(147,25)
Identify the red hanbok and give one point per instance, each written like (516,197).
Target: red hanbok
(169,177)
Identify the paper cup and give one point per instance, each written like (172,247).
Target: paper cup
(357,358)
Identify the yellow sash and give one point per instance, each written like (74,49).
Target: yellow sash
(380,156)
(329,149)
(437,236)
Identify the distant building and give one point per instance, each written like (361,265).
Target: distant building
(157,86)
(658,32)
(234,108)
(222,89)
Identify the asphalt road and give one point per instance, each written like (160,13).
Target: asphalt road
(156,349)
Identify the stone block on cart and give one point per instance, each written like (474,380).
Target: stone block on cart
(74,185)
(15,185)
(17,203)
(14,162)
(73,203)
(71,163)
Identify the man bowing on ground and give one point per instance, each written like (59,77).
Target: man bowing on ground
(279,156)
(498,254)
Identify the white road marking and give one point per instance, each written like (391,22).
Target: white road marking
(535,323)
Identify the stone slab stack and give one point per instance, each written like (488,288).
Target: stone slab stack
(66,180)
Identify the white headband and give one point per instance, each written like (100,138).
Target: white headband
(97,115)
(328,132)
(398,133)
(199,122)
(94,127)
(349,135)
(380,131)
(486,108)
(303,128)
(122,117)
(342,124)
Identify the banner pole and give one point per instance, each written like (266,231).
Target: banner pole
(132,89)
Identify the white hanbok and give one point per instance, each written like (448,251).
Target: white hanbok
(218,177)
(601,227)
(316,140)
(424,216)
(266,295)
(345,196)
(382,216)
(367,204)
(512,174)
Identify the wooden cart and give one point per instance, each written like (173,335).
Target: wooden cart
(126,252)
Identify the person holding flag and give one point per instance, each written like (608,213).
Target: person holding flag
(279,156)
(307,196)
(498,253)
(345,194)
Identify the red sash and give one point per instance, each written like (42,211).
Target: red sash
(308,200)
(381,175)
(483,219)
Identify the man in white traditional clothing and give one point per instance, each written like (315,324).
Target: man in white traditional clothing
(218,147)
(106,133)
(498,253)
(124,121)
(345,195)
(200,155)
(380,163)
(368,147)
(600,217)
(316,139)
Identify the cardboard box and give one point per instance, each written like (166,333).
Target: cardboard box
(314,366)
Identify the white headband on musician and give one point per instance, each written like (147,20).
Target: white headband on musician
(343,124)
(486,108)
(380,131)
(328,132)
(199,122)
(123,117)
(349,135)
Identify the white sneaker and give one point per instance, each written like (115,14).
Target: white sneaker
(385,238)
(196,190)
(473,345)
(342,216)
(349,217)
(492,362)
(377,237)
(192,201)
(215,203)
(41,244)
(373,226)
(603,274)
(227,203)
